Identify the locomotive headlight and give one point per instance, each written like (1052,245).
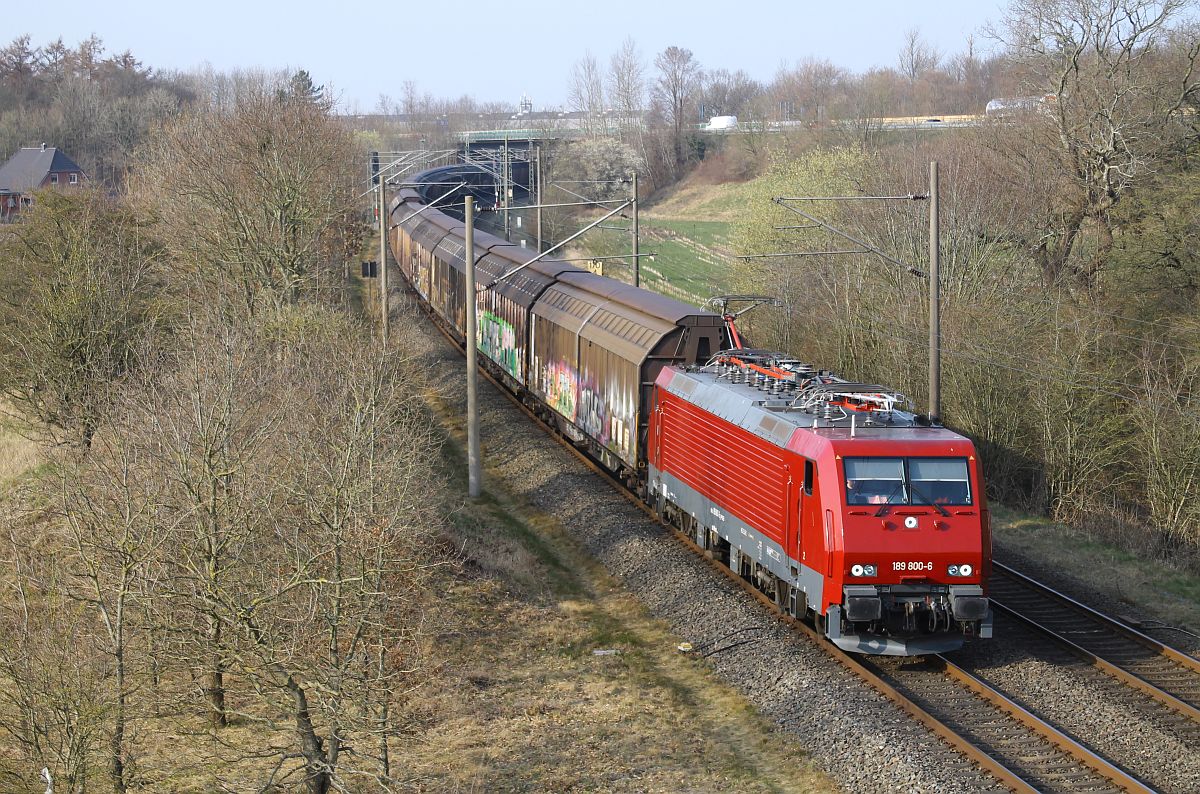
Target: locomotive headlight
(952,570)
(863,570)
(869,570)
(856,570)
(960,570)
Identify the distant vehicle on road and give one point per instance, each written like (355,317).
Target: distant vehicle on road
(722,124)
(1012,105)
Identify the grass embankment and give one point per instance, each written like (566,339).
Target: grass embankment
(697,199)
(688,230)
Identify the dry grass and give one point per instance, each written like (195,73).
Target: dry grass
(520,701)
(19,455)
(531,707)
(697,199)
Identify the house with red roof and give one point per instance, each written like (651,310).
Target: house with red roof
(31,169)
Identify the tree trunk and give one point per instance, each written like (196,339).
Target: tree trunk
(385,760)
(1086,278)
(316,778)
(1053,252)
(117,742)
(214,689)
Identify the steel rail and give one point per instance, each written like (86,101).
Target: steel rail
(1097,660)
(1162,649)
(1123,675)
(1043,728)
(992,765)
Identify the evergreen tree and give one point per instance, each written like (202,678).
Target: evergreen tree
(302,89)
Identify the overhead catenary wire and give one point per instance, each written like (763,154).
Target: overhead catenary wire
(596,202)
(1101,312)
(918,197)
(553,248)
(1091,380)
(1046,301)
(1147,340)
(834,230)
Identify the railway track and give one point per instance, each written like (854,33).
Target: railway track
(1017,748)
(1032,754)
(1167,675)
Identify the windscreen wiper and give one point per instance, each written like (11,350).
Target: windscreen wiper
(887,506)
(929,501)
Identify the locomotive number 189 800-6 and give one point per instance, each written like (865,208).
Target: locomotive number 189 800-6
(912,566)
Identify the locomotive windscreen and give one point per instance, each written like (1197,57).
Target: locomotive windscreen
(907,481)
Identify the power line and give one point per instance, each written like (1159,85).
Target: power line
(1153,323)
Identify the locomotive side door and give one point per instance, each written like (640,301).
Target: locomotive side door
(805,505)
(791,520)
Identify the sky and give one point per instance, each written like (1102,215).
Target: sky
(494,51)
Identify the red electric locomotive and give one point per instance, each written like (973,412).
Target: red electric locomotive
(828,496)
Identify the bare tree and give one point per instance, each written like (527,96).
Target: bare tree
(726,93)
(109,510)
(1120,79)
(80,280)
(627,83)
(208,422)
(1169,445)
(254,202)
(55,702)
(291,468)
(347,567)
(675,89)
(587,94)
(18,63)
(809,90)
(917,56)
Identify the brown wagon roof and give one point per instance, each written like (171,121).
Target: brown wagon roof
(644,301)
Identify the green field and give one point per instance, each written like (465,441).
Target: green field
(710,234)
(691,258)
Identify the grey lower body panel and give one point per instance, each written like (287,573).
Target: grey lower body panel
(808,582)
(899,646)
(740,535)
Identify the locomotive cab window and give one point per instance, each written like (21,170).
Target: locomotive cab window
(808,477)
(875,481)
(942,481)
(907,481)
